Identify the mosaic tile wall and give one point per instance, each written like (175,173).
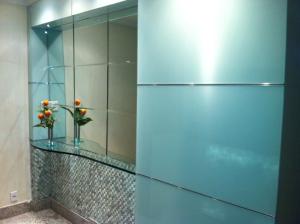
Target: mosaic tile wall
(41,177)
(94,191)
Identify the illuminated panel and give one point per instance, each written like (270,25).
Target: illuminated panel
(212,41)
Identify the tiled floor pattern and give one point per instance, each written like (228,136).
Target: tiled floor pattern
(42,217)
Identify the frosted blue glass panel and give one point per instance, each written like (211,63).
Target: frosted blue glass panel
(223,141)
(158,203)
(217,41)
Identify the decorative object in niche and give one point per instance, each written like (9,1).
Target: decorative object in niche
(80,118)
(47,118)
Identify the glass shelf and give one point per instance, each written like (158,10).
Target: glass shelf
(86,150)
(46,83)
(111,63)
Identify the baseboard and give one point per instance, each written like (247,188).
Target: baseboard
(14,210)
(68,214)
(40,205)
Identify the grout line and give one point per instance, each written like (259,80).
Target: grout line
(207,196)
(107,81)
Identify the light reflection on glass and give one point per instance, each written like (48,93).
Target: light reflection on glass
(210,38)
(241,157)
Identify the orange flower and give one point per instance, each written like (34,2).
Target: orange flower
(41,116)
(77,102)
(45,103)
(48,113)
(82,112)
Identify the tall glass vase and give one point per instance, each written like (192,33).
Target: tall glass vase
(77,134)
(50,137)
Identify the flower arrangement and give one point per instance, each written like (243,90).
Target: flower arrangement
(46,115)
(79,113)
(80,118)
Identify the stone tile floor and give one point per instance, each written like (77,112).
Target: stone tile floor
(47,216)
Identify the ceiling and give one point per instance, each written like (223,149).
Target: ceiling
(19,2)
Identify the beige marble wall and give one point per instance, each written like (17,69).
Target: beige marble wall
(14,145)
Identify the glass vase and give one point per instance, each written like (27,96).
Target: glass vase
(50,137)
(77,135)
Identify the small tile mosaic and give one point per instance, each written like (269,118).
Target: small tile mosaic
(93,190)
(41,177)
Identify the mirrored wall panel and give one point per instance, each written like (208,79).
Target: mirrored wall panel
(88,66)
(91,75)
(122,80)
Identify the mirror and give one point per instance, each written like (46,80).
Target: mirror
(95,60)
(122,86)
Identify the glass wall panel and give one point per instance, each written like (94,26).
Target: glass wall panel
(223,141)
(160,203)
(215,41)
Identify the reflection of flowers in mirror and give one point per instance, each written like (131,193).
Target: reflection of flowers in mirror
(77,102)
(82,111)
(78,112)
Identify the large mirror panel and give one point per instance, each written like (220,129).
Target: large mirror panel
(93,60)
(122,84)
(90,45)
